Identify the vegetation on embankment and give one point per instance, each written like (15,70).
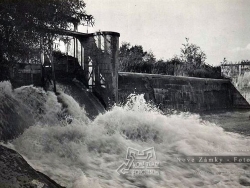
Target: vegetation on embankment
(190,62)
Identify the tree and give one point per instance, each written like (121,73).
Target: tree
(191,62)
(124,60)
(193,58)
(24,23)
(192,54)
(135,59)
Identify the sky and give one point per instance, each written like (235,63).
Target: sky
(220,27)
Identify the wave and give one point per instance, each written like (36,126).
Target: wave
(75,151)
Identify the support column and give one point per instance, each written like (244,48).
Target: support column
(42,61)
(85,57)
(52,66)
(53,73)
(77,51)
(97,61)
(82,57)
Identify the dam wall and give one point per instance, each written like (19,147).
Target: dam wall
(94,63)
(182,93)
(239,74)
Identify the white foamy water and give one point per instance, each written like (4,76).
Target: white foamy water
(77,152)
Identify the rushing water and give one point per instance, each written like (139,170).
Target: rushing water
(77,152)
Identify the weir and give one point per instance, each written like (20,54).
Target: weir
(95,64)
(182,93)
(239,75)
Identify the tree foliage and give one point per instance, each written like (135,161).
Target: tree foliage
(135,59)
(192,54)
(190,62)
(24,23)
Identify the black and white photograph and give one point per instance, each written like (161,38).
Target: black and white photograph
(124,93)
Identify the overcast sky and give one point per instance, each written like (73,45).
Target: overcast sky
(220,27)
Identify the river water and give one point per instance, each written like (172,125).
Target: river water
(78,152)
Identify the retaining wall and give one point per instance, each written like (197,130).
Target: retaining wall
(181,93)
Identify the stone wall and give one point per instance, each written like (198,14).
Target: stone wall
(181,93)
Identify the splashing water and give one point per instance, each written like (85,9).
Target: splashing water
(83,153)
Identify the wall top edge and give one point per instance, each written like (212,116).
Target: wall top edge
(170,76)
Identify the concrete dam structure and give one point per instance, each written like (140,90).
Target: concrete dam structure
(95,68)
(94,64)
(239,74)
(182,93)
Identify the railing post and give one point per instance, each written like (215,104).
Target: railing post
(52,66)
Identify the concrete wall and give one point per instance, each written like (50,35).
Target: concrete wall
(181,93)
